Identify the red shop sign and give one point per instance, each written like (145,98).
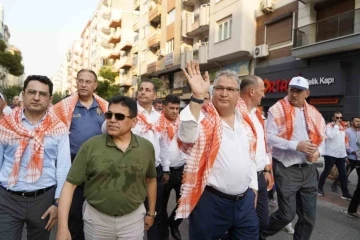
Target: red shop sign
(276,86)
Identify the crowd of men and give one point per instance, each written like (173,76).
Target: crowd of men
(105,170)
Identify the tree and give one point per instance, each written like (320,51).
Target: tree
(107,88)
(11,91)
(10,61)
(57,97)
(158,83)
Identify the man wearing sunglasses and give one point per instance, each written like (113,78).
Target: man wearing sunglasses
(34,162)
(118,172)
(335,153)
(83,113)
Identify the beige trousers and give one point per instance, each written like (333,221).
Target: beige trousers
(100,226)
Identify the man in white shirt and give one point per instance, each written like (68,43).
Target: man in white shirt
(296,133)
(145,127)
(169,123)
(335,153)
(220,180)
(252,90)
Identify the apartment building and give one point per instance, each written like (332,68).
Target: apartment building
(60,79)
(172,33)
(316,39)
(74,63)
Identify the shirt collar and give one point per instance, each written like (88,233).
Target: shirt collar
(142,110)
(23,118)
(94,104)
(133,142)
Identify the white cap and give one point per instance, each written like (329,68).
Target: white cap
(299,83)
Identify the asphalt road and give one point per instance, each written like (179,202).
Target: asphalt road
(331,223)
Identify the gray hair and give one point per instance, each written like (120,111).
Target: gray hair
(226,73)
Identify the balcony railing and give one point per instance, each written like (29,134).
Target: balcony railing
(189,2)
(153,67)
(155,13)
(154,40)
(197,22)
(125,62)
(115,36)
(341,25)
(115,20)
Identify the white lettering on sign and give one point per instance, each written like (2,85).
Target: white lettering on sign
(321,81)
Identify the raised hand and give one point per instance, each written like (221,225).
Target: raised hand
(198,84)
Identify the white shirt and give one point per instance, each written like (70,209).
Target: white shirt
(335,142)
(261,157)
(285,150)
(233,171)
(7,110)
(177,158)
(155,138)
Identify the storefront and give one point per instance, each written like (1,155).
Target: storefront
(327,84)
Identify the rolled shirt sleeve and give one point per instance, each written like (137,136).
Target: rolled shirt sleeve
(189,128)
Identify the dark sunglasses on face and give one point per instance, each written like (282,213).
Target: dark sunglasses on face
(338,117)
(118,116)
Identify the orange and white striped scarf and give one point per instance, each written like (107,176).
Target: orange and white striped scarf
(284,117)
(200,159)
(252,130)
(13,132)
(167,127)
(342,129)
(65,108)
(148,126)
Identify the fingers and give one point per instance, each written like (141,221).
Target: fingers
(50,223)
(206,77)
(45,214)
(189,68)
(186,74)
(197,68)
(193,67)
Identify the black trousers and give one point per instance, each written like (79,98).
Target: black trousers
(16,210)
(297,194)
(340,165)
(75,222)
(355,201)
(174,183)
(154,233)
(349,168)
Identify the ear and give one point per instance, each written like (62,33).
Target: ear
(307,93)
(134,122)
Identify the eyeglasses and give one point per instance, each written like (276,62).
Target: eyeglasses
(118,116)
(338,117)
(228,89)
(33,93)
(87,82)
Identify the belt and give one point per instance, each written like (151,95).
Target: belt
(224,195)
(27,194)
(299,165)
(177,168)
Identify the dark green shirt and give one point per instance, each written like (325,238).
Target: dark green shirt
(115,181)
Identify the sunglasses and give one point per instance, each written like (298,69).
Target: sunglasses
(118,116)
(338,117)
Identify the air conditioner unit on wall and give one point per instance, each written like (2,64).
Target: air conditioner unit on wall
(267,6)
(261,51)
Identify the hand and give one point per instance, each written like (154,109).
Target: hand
(199,85)
(148,221)
(313,157)
(256,197)
(165,178)
(269,180)
(63,234)
(337,122)
(306,147)
(52,212)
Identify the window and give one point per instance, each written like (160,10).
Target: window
(170,17)
(169,46)
(279,32)
(224,28)
(143,55)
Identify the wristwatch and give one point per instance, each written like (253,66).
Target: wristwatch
(153,215)
(269,171)
(199,101)
(166,172)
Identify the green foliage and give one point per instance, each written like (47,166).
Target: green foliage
(107,88)
(11,91)
(12,62)
(57,97)
(157,82)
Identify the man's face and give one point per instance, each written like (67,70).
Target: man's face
(297,97)
(116,127)
(356,122)
(258,92)
(36,97)
(225,93)
(15,101)
(146,93)
(158,107)
(337,117)
(86,84)
(171,111)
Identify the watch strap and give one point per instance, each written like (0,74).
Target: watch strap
(199,101)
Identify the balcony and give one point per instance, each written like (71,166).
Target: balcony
(189,2)
(125,81)
(331,35)
(155,13)
(136,5)
(105,28)
(116,66)
(186,57)
(115,52)
(135,47)
(197,22)
(125,45)
(134,70)
(125,62)
(136,26)
(106,13)
(115,20)
(310,1)
(154,40)
(115,36)
(153,67)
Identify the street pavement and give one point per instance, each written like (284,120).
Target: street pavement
(331,224)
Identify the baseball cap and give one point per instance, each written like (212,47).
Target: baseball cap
(299,83)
